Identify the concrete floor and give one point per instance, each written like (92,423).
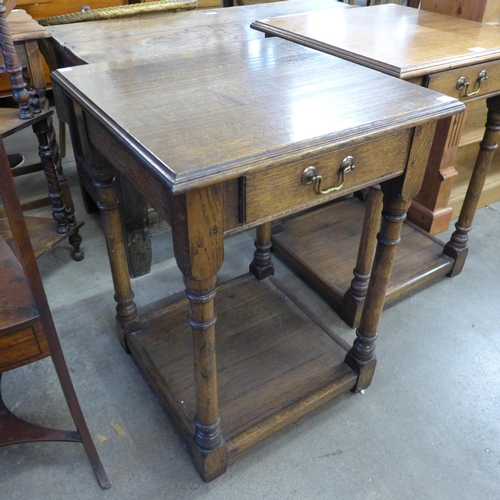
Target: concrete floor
(428,427)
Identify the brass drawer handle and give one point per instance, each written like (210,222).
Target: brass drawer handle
(310,175)
(462,83)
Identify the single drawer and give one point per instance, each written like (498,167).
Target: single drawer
(281,190)
(22,347)
(454,82)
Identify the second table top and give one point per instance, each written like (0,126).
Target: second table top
(397,40)
(261,102)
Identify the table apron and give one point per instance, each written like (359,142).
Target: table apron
(278,191)
(446,82)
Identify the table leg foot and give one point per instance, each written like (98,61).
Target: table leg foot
(261,273)
(75,240)
(122,331)
(261,266)
(364,368)
(212,464)
(351,309)
(457,249)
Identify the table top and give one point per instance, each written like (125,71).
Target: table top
(400,41)
(23,27)
(216,115)
(167,33)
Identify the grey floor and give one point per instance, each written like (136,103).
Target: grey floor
(428,427)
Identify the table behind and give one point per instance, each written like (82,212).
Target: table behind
(152,35)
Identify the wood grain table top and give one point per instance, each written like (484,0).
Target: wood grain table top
(166,33)
(213,116)
(400,41)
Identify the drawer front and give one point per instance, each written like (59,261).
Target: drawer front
(280,190)
(453,83)
(23,347)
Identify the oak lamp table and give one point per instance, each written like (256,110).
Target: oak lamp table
(154,34)
(280,111)
(453,56)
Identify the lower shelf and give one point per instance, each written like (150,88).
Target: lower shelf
(42,231)
(274,363)
(322,245)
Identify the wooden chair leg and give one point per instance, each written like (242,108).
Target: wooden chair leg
(14,430)
(76,412)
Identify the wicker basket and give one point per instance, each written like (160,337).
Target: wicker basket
(120,11)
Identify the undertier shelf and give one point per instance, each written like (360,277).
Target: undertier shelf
(42,231)
(274,363)
(322,245)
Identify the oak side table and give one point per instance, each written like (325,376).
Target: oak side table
(284,115)
(154,34)
(453,56)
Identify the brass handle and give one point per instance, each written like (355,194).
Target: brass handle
(310,175)
(462,83)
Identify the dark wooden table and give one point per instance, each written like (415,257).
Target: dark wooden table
(154,34)
(278,109)
(457,57)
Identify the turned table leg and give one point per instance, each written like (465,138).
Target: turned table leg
(198,236)
(457,246)
(210,453)
(262,266)
(398,194)
(45,152)
(354,298)
(39,85)
(48,149)
(126,310)
(361,357)
(68,199)
(48,152)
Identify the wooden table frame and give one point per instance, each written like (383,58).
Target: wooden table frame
(207,193)
(155,34)
(432,258)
